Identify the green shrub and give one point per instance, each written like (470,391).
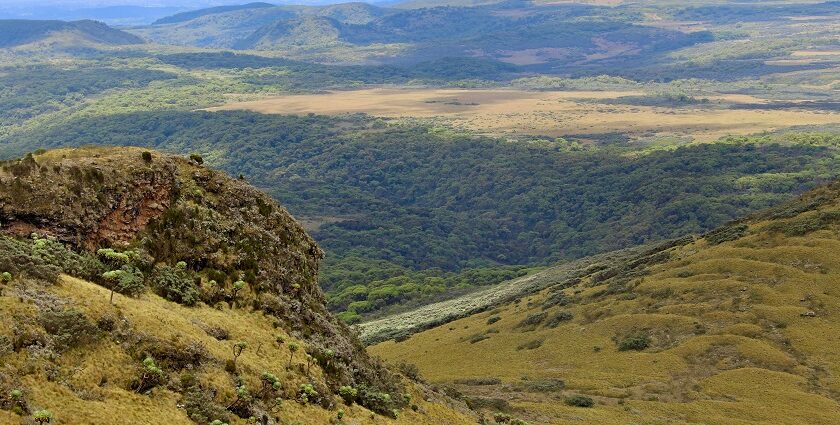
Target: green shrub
(493,319)
(126,280)
(348,393)
(531,322)
(558,318)
(801,226)
(174,284)
(726,233)
(531,345)
(376,401)
(150,376)
(554,299)
(638,342)
(580,401)
(202,408)
(410,370)
(147,156)
(543,385)
(68,328)
(478,381)
(307,393)
(43,416)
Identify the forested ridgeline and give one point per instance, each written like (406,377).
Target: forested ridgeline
(409,212)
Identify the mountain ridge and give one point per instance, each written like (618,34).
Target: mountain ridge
(18,32)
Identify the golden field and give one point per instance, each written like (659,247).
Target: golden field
(509,112)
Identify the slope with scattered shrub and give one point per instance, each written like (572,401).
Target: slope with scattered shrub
(149,286)
(737,326)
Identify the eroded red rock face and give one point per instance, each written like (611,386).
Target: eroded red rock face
(131,216)
(91,201)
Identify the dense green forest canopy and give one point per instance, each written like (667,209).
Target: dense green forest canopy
(400,208)
(27,92)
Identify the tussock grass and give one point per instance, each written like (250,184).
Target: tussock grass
(729,340)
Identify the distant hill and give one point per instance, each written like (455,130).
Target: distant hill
(16,32)
(112,15)
(187,16)
(515,32)
(736,326)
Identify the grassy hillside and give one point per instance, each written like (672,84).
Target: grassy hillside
(18,32)
(138,282)
(731,328)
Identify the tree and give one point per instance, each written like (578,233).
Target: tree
(348,393)
(238,348)
(126,280)
(150,375)
(293,347)
(43,416)
(269,383)
(238,286)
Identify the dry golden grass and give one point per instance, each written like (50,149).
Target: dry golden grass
(729,342)
(512,112)
(169,321)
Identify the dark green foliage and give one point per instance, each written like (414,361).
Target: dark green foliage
(478,381)
(531,322)
(171,355)
(493,319)
(806,224)
(174,285)
(68,328)
(303,76)
(542,385)
(497,404)
(13,397)
(580,401)
(637,342)
(28,92)
(44,259)
(556,298)
(201,407)
(410,370)
(477,338)
(376,401)
(412,199)
(558,318)
(726,233)
(150,376)
(147,156)
(126,280)
(531,345)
